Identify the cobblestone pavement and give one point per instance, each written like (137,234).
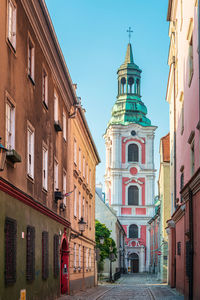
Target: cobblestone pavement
(129,287)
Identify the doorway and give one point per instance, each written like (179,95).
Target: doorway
(64,271)
(134,263)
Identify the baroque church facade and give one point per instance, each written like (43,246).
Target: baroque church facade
(130,172)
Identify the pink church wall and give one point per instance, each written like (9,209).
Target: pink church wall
(126,210)
(124,149)
(140,211)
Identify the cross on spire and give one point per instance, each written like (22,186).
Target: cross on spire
(129,33)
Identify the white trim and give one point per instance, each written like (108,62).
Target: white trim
(55,174)
(64,126)
(75,201)
(12,22)
(55,106)
(10,123)
(139,153)
(45,167)
(30,149)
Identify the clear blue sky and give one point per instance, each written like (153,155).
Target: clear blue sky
(92,35)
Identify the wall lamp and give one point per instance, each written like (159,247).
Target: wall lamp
(81,226)
(3,151)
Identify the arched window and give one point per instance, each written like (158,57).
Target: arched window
(133,152)
(133,195)
(130,84)
(138,86)
(123,85)
(133,231)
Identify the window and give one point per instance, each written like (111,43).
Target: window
(179,248)
(45,255)
(10,250)
(181,184)
(45,88)
(79,256)
(56,255)
(30,253)
(123,85)
(64,186)
(86,212)
(87,173)
(90,259)
(12,11)
(55,175)
(74,255)
(79,160)
(10,126)
(79,203)
(90,178)
(75,152)
(83,213)
(182,112)
(30,152)
(133,153)
(86,260)
(45,168)
(55,107)
(83,166)
(190,60)
(75,200)
(130,85)
(133,231)
(192,158)
(90,217)
(64,126)
(133,195)
(31,60)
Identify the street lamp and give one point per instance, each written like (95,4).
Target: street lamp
(3,151)
(101,240)
(81,226)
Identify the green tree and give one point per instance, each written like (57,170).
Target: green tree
(105,249)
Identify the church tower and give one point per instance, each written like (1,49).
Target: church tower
(130,172)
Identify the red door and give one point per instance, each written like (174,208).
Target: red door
(64,268)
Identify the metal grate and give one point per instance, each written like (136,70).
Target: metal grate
(45,255)
(10,250)
(179,248)
(56,255)
(30,253)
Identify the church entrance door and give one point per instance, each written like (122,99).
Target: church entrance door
(134,263)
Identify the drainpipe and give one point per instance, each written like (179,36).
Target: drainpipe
(174,71)
(191,252)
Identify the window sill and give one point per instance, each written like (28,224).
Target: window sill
(44,191)
(30,178)
(13,156)
(10,45)
(31,80)
(45,105)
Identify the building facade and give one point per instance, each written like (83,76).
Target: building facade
(37,102)
(130,173)
(84,158)
(183,97)
(106,215)
(165,203)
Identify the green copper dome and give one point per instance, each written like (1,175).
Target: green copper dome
(128,107)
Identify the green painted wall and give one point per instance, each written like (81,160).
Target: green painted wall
(25,215)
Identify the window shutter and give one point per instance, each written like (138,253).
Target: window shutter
(45,255)
(10,250)
(30,253)
(56,255)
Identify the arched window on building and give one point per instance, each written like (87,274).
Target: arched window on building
(123,85)
(133,195)
(130,85)
(138,87)
(133,153)
(133,231)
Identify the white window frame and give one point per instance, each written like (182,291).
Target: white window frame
(55,107)
(30,150)
(83,209)
(79,159)
(75,152)
(64,126)
(10,124)
(45,87)
(75,201)
(55,174)
(31,58)
(90,217)
(45,167)
(87,173)
(84,166)
(12,23)
(139,152)
(90,259)
(86,212)
(64,185)
(139,196)
(74,255)
(86,259)
(79,204)
(79,256)
(90,178)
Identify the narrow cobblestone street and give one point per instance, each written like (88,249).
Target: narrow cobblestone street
(128,287)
